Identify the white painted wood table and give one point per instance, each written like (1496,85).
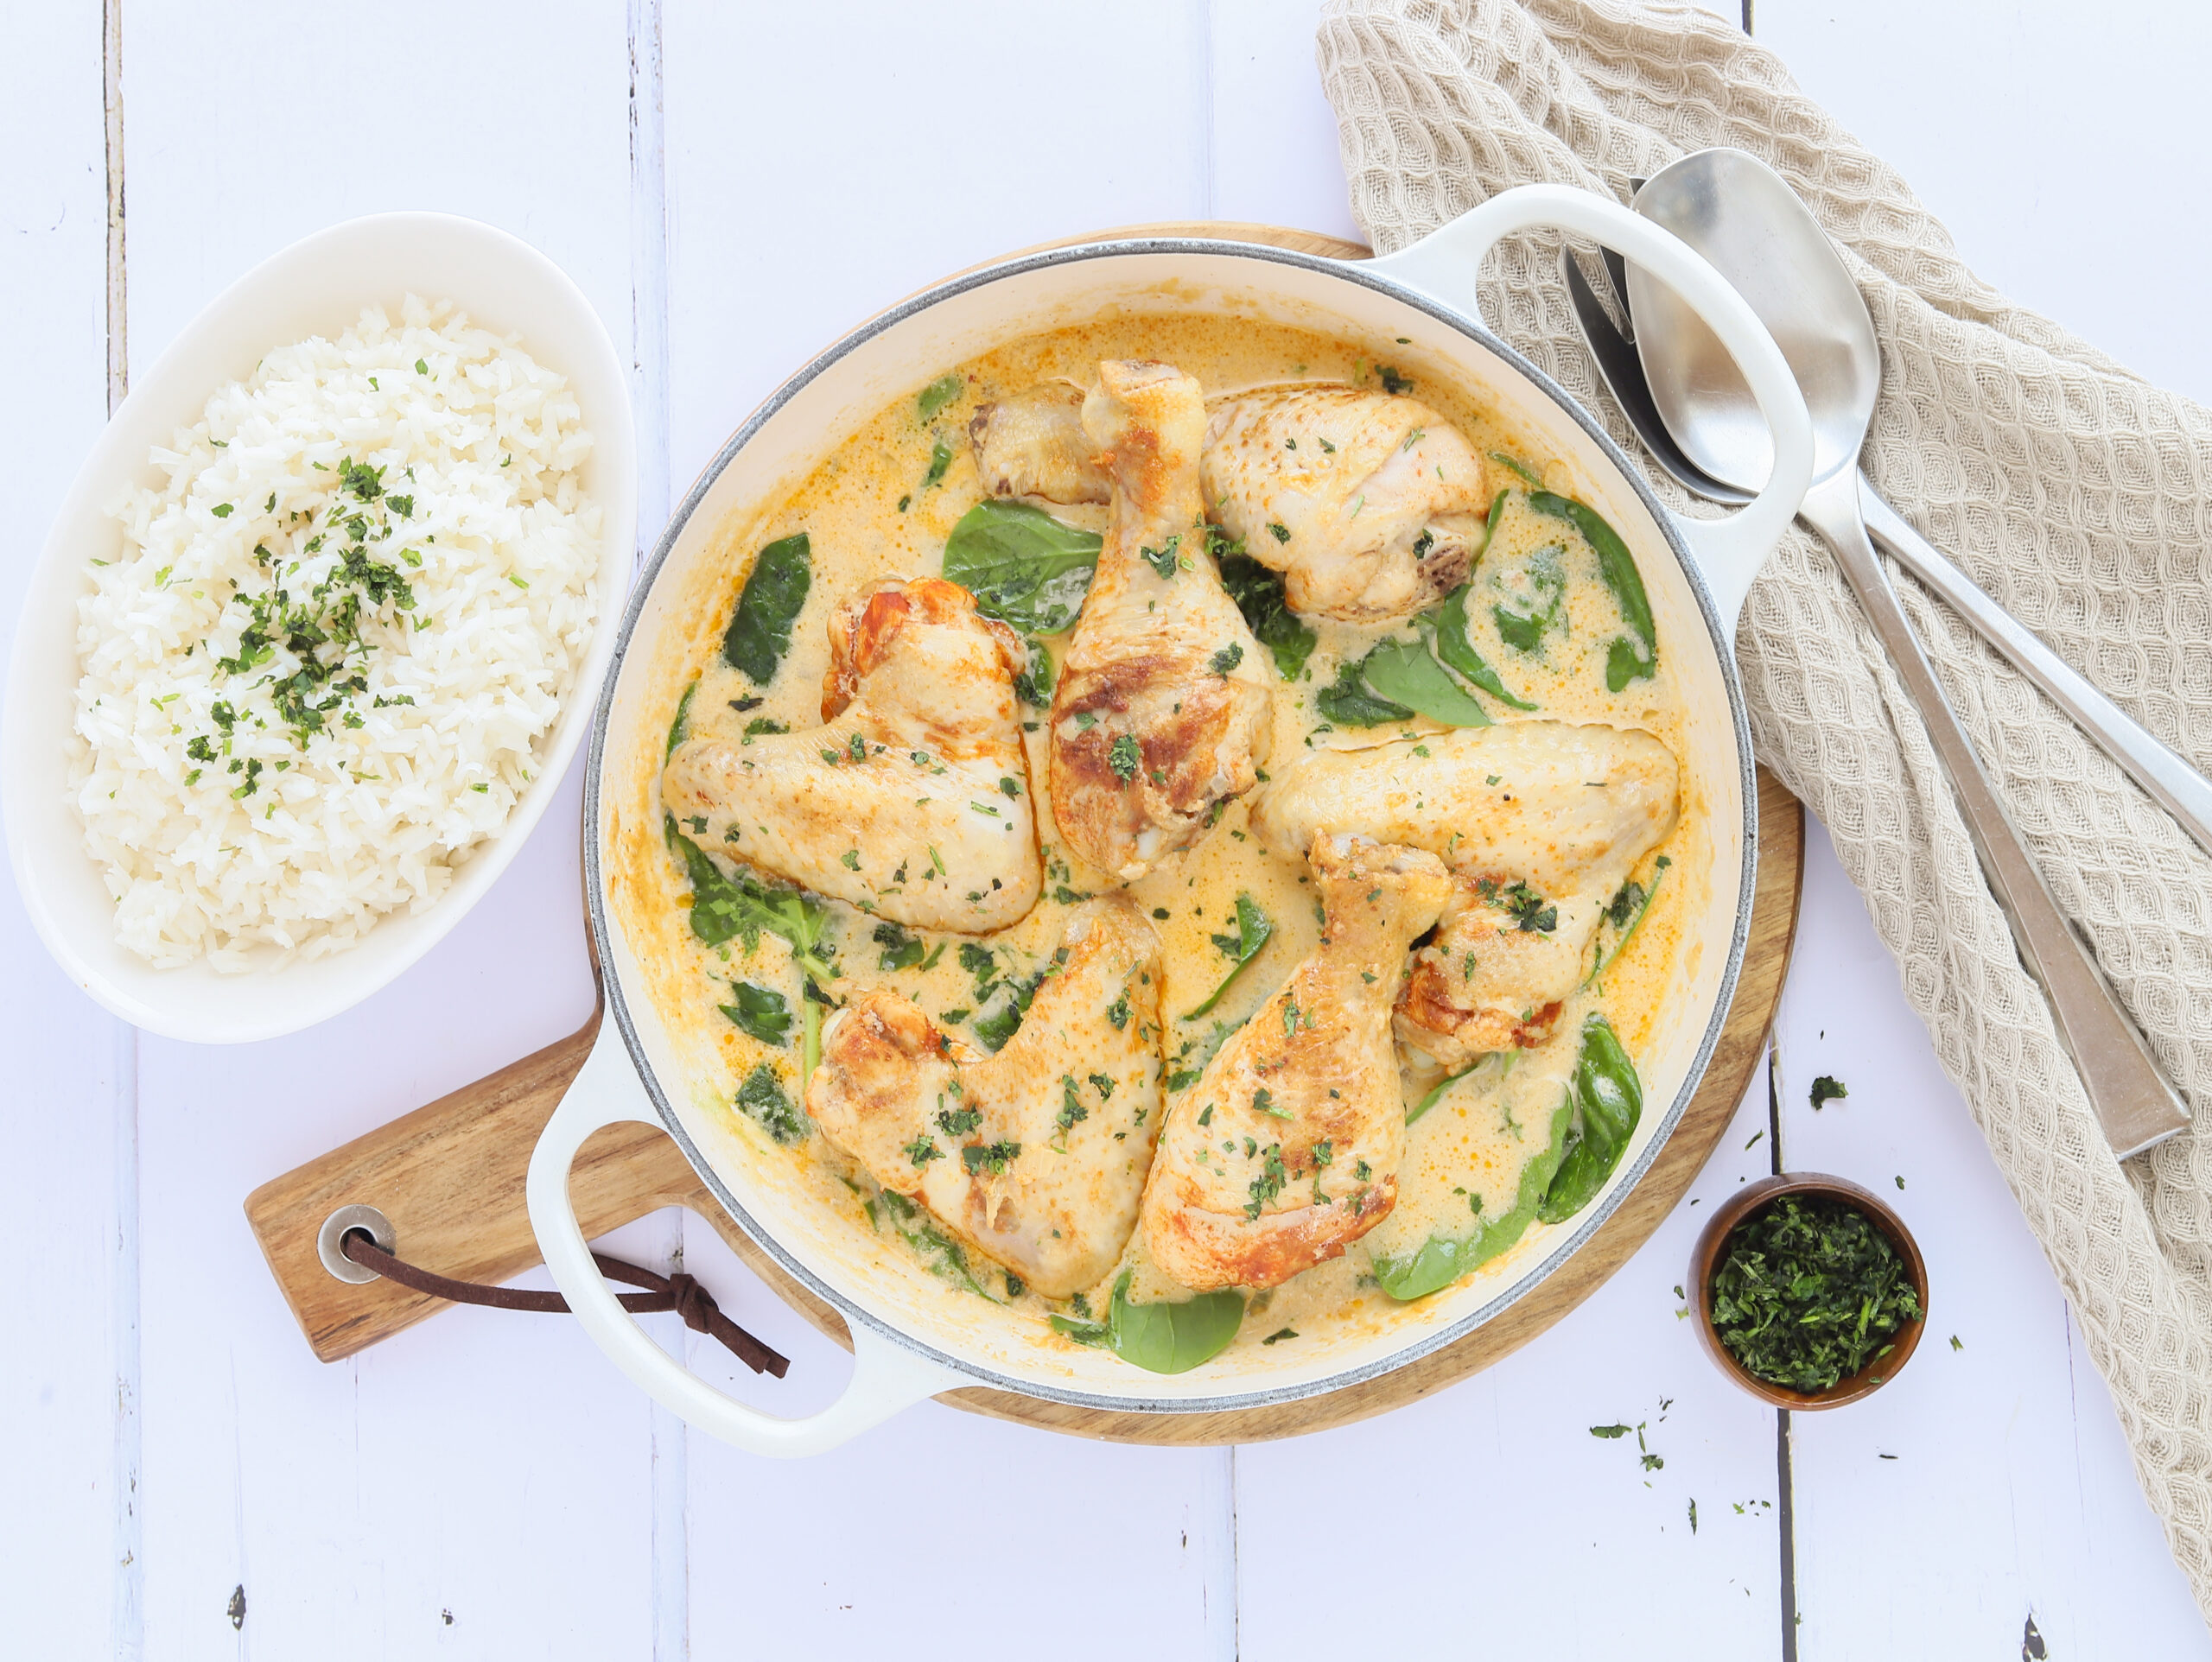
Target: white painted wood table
(733,186)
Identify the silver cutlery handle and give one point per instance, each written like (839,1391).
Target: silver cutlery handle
(2131,1097)
(2171,782)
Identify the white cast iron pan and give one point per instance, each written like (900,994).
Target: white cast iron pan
(913,1335)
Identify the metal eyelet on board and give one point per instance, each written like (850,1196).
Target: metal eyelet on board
(333,1233)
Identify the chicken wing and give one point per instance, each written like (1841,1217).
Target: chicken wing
(1036,1156)
(912,801)
(1032,443)
(1163,700)
(1541,823)
(1285,1151)
(1371,504)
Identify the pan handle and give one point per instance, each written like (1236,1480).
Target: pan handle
(1729,551)
(885,1377)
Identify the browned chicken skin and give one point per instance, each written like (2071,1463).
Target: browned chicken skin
(878,807)
(1164,697)
(1036,1156)
(1032,443)
(1540,822)
(1371,504)
(1285,1151)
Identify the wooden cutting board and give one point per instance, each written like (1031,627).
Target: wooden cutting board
(450,1176)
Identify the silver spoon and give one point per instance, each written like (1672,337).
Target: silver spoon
(1752,226)
(2167,778)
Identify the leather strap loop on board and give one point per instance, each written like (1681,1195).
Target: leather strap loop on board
(679,1292)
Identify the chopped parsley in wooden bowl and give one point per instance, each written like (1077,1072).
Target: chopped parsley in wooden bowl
(1810,1291)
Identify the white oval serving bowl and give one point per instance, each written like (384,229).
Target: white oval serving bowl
(318,286)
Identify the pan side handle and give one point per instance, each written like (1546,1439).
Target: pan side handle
(886,1377)
(1729,550)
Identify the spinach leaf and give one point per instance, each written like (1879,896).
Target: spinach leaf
(1253,928)
(1635,656)
(1608,1098)
(901,949)
(759,1011)
(1625,911)
(1034,686)
(940,459)
(763,1099)
(1451,645)
(1404,671)
(680,729)
(1259,595)
(938,1252)
(1441,1260)
(723,907)
(993,1031)
(1515,465)
(935,396)
(1171,1338)
(1348,704)
(1024,567)
(760,629)
(1435,1093)
(1539,594)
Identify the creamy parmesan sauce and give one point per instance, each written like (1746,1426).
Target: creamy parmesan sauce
(1479,1138)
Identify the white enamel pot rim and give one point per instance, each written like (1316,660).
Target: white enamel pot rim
(895,1367)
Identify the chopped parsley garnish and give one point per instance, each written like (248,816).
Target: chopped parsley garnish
(1269,1184)
(1226,659)
(1118,1013)
(923,1149)
(1529,910)
(1826,1089)
(1281,533)
(1393,381)
(1263,1101)
(958,1122)
(993,1157)
(1073,1113)
(1124,758)
(1808,1291)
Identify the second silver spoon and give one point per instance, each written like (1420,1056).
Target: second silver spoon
(1747,220)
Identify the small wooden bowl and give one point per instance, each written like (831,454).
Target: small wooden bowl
(1740,1206)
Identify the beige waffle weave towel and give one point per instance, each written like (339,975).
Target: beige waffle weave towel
(2073,490)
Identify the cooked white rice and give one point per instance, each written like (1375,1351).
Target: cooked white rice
(341,825)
